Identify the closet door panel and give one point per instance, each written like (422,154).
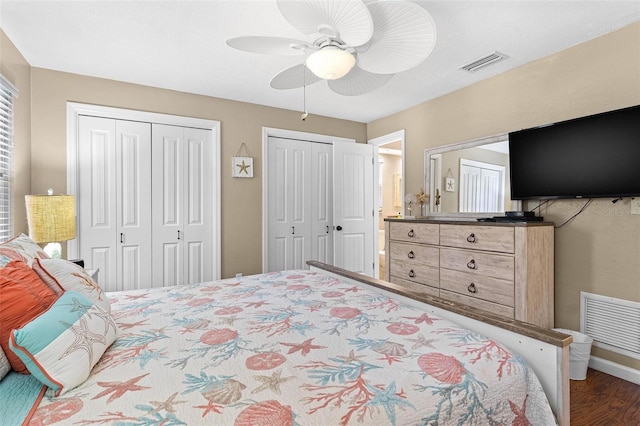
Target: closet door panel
(167,207)
(97,218)
(289,204)
(321,194)
(133,151)
(198,205)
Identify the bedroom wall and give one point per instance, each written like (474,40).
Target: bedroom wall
(599,251)
(15,68)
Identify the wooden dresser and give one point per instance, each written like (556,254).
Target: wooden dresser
(504,268)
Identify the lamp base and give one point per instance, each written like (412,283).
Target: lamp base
(53,250)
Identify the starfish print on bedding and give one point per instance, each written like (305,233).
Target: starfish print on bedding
(521,413)
(421,342)
(304,347)
(117,389)
(425,318)
(388,398)
(165,405)
(271,382)
(84,339)
(351,358)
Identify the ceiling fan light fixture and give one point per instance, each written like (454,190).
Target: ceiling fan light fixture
(330,62)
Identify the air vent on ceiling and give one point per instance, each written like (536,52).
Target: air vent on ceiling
(485,61)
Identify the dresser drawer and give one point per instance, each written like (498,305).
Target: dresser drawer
(494,308)
(417,287)
(423,233)
(491,238)
(478,263)
(425,255)
(478,287)
(414,271)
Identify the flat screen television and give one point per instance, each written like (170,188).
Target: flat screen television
(588,157)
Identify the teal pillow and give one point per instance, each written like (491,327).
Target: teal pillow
(61,345)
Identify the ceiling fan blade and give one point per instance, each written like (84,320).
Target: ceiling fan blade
(404,35)
(358,82)
(350,19)
(292,78)
(270,45)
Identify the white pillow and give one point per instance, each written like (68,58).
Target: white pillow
(70,277)
(60,346)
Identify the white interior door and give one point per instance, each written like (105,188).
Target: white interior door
(133,179)
(322,203)
(182,207)
(354,210)
(289,203)
(114,200)
(198,206)
(97,211)
(168,208)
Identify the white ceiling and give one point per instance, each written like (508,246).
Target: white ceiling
(180,45)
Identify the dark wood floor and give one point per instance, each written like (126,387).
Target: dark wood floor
(604,400)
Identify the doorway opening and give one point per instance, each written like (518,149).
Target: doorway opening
(389,187)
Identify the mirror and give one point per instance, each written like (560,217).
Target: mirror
(469,178)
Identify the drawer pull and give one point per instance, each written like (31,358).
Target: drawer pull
(472,238)
(412,274)
(411,255)
(472,288)
(472,264)
(411,234)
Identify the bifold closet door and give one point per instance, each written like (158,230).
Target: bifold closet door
(299,203)
(182,206)
(114,201)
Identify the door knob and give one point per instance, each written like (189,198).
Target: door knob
(338,228)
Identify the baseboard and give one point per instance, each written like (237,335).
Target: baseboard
(614,369)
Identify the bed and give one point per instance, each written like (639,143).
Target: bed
(305,347)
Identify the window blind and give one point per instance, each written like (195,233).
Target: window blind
(7,93)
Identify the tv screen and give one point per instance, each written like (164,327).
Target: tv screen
(588,157)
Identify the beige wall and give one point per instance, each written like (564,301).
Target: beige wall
(599,251)
(15,68)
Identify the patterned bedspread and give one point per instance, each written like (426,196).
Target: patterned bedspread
(294,348)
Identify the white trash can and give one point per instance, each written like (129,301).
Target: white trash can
(579,353)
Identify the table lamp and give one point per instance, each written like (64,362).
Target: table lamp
(51,218)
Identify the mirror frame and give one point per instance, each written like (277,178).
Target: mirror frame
(454,147)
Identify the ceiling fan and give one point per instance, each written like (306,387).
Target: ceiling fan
(356,48)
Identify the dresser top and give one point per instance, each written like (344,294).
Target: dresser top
(468,222)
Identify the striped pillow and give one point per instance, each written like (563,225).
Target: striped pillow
(61,346)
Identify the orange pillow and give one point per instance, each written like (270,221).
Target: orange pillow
(23,296)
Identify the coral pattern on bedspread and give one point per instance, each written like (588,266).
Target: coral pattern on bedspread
(294,348)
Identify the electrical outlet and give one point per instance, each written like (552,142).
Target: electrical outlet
(635,206)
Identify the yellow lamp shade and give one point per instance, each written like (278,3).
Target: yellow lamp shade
(51,218)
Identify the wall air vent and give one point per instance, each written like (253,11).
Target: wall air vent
(485,61)
(614,324)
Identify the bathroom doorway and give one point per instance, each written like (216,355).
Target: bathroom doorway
(390,186)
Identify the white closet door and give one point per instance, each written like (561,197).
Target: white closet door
(168,209)
(114,205)
(198,209)
(322,203)
(97,211)
(133,179)
(289,204)
(182,212)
